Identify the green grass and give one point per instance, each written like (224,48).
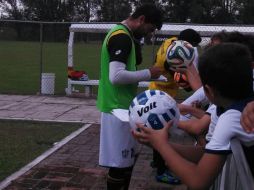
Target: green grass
(20,64)
(21,142)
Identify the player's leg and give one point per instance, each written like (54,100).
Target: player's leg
(119,178)
(163,174)
(116,153)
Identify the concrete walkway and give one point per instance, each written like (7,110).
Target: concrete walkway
(73,163)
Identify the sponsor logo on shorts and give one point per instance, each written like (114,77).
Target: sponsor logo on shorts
(132,153)
(125,153)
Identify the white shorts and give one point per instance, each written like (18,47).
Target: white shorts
(117,145)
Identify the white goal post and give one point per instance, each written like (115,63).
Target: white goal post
(167,29)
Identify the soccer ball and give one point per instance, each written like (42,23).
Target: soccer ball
(181,80)
(180,54)
(153,108)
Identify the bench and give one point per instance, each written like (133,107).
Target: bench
(88,85)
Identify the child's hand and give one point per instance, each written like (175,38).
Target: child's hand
(196,104)
(184,109)
(247,118)
(150,136)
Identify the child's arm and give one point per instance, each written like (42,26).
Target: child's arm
(195,126)
(188,109)
(247,118)
(192,75)
(195,176)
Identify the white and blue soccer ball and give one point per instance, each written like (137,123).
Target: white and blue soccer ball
(153,108)
(180,54)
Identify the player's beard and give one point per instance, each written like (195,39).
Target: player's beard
(140,33)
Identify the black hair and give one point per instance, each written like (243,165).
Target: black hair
(227,68)
(245,39)
(191,36)
(152,14)
(222,36)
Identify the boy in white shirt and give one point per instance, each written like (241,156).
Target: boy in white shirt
(232,64)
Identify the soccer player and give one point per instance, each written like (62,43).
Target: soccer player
(230,62)
(121,53)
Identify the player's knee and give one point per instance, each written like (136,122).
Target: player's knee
(120,173)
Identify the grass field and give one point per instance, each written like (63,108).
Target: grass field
(20,64)
(21,142)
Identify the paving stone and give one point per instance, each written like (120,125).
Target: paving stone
(75,165)
(77,179)
(43,184)
(40,174)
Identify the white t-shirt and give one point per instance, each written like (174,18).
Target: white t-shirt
(197,96)
(228,127)
(214,119)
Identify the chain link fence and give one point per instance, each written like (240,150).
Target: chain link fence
(34,55)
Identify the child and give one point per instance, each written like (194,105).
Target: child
(231,63)
(200,124)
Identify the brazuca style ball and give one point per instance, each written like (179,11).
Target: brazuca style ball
(154,108)
(180,54)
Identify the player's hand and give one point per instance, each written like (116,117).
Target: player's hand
(155,72)
(247,118)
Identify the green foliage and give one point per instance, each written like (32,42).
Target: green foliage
(113,10)
(21,142)
(195,11)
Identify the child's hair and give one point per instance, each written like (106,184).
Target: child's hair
(227,68)
(241,38)
(221,36)
(191,36)
(152,14)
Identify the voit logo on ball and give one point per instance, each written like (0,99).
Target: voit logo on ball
(147,108)
(153,108)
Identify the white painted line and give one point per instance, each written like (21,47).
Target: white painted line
(15,175)
(40,120)
(50,120)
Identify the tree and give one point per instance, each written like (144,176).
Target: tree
(48,10)
(113,10)
(246,14)
(12,8)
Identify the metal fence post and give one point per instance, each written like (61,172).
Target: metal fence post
(41,49)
